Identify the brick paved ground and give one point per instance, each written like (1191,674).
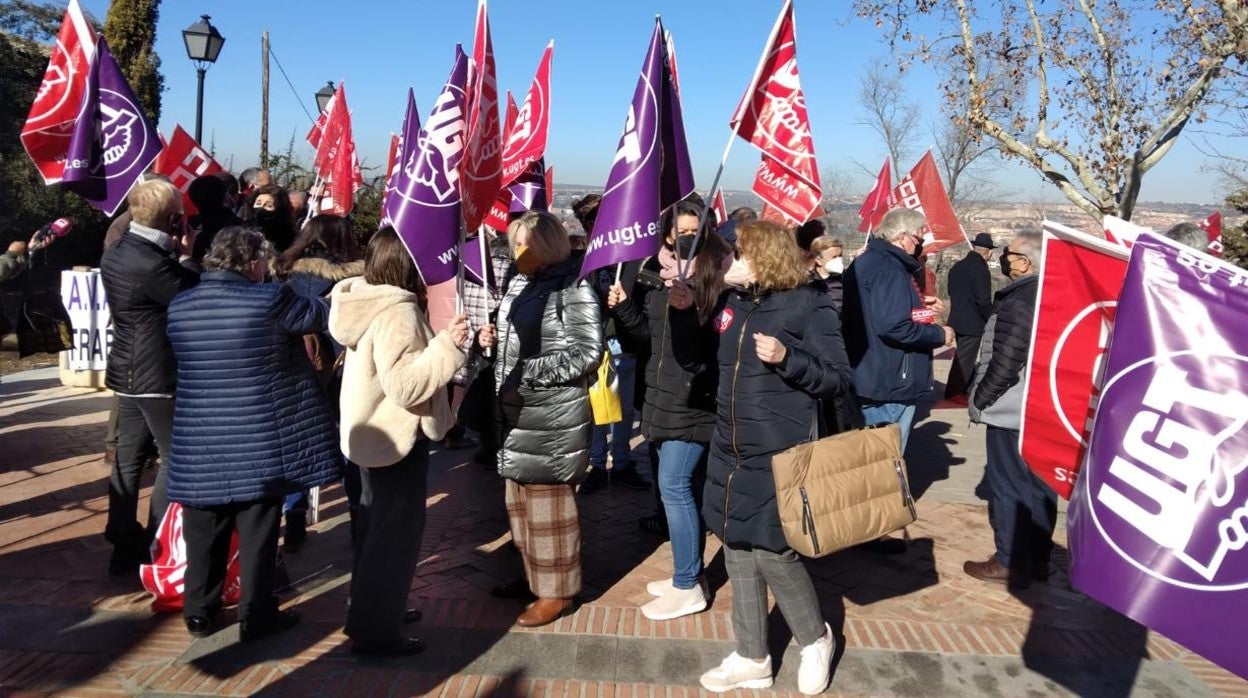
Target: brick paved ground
(911,624)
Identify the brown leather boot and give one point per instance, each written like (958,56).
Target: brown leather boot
(991,570)
(544,612)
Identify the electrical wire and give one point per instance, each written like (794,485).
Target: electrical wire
(293,91)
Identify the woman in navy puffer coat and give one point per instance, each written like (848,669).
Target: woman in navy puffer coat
(778,344)
(250,424)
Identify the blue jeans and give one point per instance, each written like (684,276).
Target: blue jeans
(682,467)
(1021,508)
(622,431)
(897,413)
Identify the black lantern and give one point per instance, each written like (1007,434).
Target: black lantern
(203,45)
(323,96)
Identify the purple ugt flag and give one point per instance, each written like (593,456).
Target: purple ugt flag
(651,169)
(528,192)
(423,202)
(1159,518)
(113,140)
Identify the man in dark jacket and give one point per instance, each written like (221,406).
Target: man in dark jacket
(252,425)
(1021,508)
(141,276)
(970,304)
(889,331)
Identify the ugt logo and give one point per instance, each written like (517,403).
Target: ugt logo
(1174,500)
(435,162)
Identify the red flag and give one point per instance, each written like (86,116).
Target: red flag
(671,60)
(481,167)
(923,191)
(50,123)
(772,116)
(1213,228)
(879,200)
(336,161)
(1122,232)
(719,207)
(550,186)
(1081,276)
(392,160)
(527,128)
(318,129)
(183,160)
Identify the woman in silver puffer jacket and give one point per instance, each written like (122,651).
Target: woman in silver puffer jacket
(548,343)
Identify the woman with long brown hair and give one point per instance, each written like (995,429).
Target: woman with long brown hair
(393,404)
(679,410)
(780,355)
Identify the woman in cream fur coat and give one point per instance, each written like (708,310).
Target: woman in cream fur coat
(393,404)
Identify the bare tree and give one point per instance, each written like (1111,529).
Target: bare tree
(966,158)
(889,112)
(1115,82)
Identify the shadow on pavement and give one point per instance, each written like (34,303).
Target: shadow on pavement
(929,456)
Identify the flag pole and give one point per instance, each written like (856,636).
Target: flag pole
(459,270)
(486,266)
(736,124)
(619,272)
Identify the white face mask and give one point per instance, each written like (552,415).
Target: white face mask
(835,266)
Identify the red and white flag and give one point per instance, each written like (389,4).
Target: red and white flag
(550,186)
(772,117)
(878,201)
(336,161)
(183,161)
(392,159)
(1213,228)
(499,215)
(481,168)
(50,124)
(1081,276)
(719,207)
(1121,232)
(922,191)
(528,126)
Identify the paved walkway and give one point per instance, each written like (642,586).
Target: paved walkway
(912,624)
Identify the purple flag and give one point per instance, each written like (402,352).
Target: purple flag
(422,201)
(477,267)
(113,140)
(1159,517)
(528,191)
(651,170)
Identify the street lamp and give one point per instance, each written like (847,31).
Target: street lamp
(325,94)
(203,45)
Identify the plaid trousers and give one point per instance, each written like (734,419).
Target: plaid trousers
(546,529)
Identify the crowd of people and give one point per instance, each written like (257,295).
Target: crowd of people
(259,352)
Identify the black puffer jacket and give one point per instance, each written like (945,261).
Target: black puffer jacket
(140,279)
(762,409)
(679,402)
(997,390)
(549,344)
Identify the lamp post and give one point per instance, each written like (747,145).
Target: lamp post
(325,94)
(203,45)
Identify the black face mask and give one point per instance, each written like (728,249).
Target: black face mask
(264,217)
(918,251)
(684,246)
(1005,265)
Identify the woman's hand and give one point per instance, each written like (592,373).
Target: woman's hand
(487,337)
(769,349)
(616,295)
(458,330)
(679,295)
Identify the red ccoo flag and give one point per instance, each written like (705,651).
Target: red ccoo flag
(50,124)
(719,207)
(482,165)
(336,162)
(923,191)
(879,200)
(183,161)
(1213,228)
(772,116)
(500,211)
(392,160)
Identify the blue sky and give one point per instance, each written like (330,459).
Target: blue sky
(382,47)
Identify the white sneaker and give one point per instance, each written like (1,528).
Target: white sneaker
(676,603)
(738,672)
(814,672)
(660,587)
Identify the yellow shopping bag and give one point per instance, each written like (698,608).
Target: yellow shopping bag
(604,393)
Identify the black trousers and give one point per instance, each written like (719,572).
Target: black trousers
(963,368)
(388,536)
(1022,508)
(139,421)
(207,534)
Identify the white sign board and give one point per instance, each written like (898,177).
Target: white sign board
(82,294)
